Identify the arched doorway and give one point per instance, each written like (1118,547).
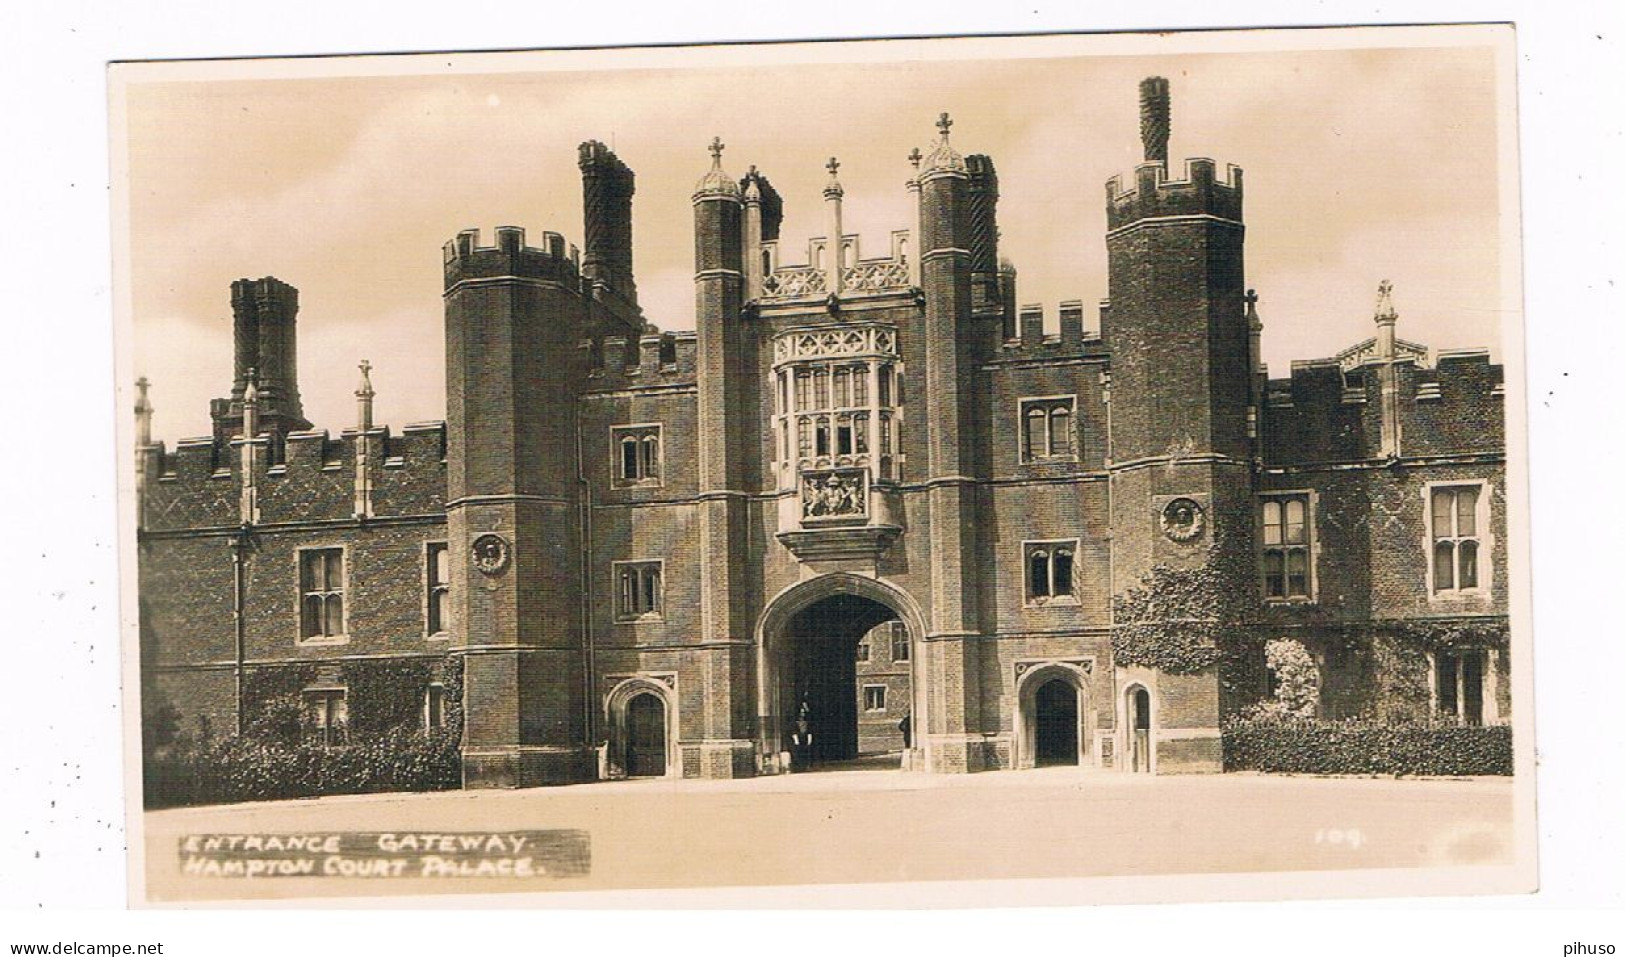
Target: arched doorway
(1137,715)
(816,686)
(645,736)
(1053,715)
(641,721)
(1055,721)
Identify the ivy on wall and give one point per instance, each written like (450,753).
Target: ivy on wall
(1177,620)
(387,747)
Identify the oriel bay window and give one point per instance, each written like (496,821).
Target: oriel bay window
(1049,567)
(837,395)
(1286,547)
(1454,529)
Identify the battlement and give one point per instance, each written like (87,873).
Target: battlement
(1330,409)
(619,362)
(1032,339)
(308,475)
(510,257)
(1153,195)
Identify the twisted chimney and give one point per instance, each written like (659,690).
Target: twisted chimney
(1154,122)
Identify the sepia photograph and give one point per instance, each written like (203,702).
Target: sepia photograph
(1090,459)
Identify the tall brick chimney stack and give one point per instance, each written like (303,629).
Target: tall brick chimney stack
(1154,119)
(264,322)
(607,185)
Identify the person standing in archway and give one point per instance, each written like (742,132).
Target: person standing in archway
(907,727)
(802,738)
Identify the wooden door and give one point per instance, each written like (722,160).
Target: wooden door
(645,737)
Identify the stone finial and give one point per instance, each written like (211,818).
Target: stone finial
(943,156)
(1386,314)
(251,406)
(143,413)
(716,182)
(364,395)
(914,157)
(1251,299)
(1154,118)
(832,189)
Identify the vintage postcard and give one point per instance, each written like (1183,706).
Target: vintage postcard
(1089,464)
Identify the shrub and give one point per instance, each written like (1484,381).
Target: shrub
(266,769)
(1298,745)
(1297,679)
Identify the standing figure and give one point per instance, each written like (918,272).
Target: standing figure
(802,738)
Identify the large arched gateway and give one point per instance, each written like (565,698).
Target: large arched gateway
(808,691)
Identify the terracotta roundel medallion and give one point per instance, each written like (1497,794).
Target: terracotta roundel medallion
(491,554)
(1183,519)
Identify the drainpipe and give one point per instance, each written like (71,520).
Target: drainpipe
(239,548)
(588,679)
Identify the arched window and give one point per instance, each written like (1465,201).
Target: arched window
(1061,572)
(637,454)
(1047,429)
(1038,573)
(651,456)
(1050,570)
(638,589)
(1060,430)
(629,457)
(1036,444)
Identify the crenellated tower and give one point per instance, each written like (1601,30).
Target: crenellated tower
(1181,387)
(514,317)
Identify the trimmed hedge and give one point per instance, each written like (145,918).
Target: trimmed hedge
(1317,746)
(236,769)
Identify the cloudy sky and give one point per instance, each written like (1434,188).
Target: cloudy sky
(1361,165)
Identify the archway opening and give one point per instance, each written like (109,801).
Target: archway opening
(842,673)
(1139,715)
(645,736)
(1055,720)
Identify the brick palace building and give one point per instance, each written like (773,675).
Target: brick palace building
(627,552)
